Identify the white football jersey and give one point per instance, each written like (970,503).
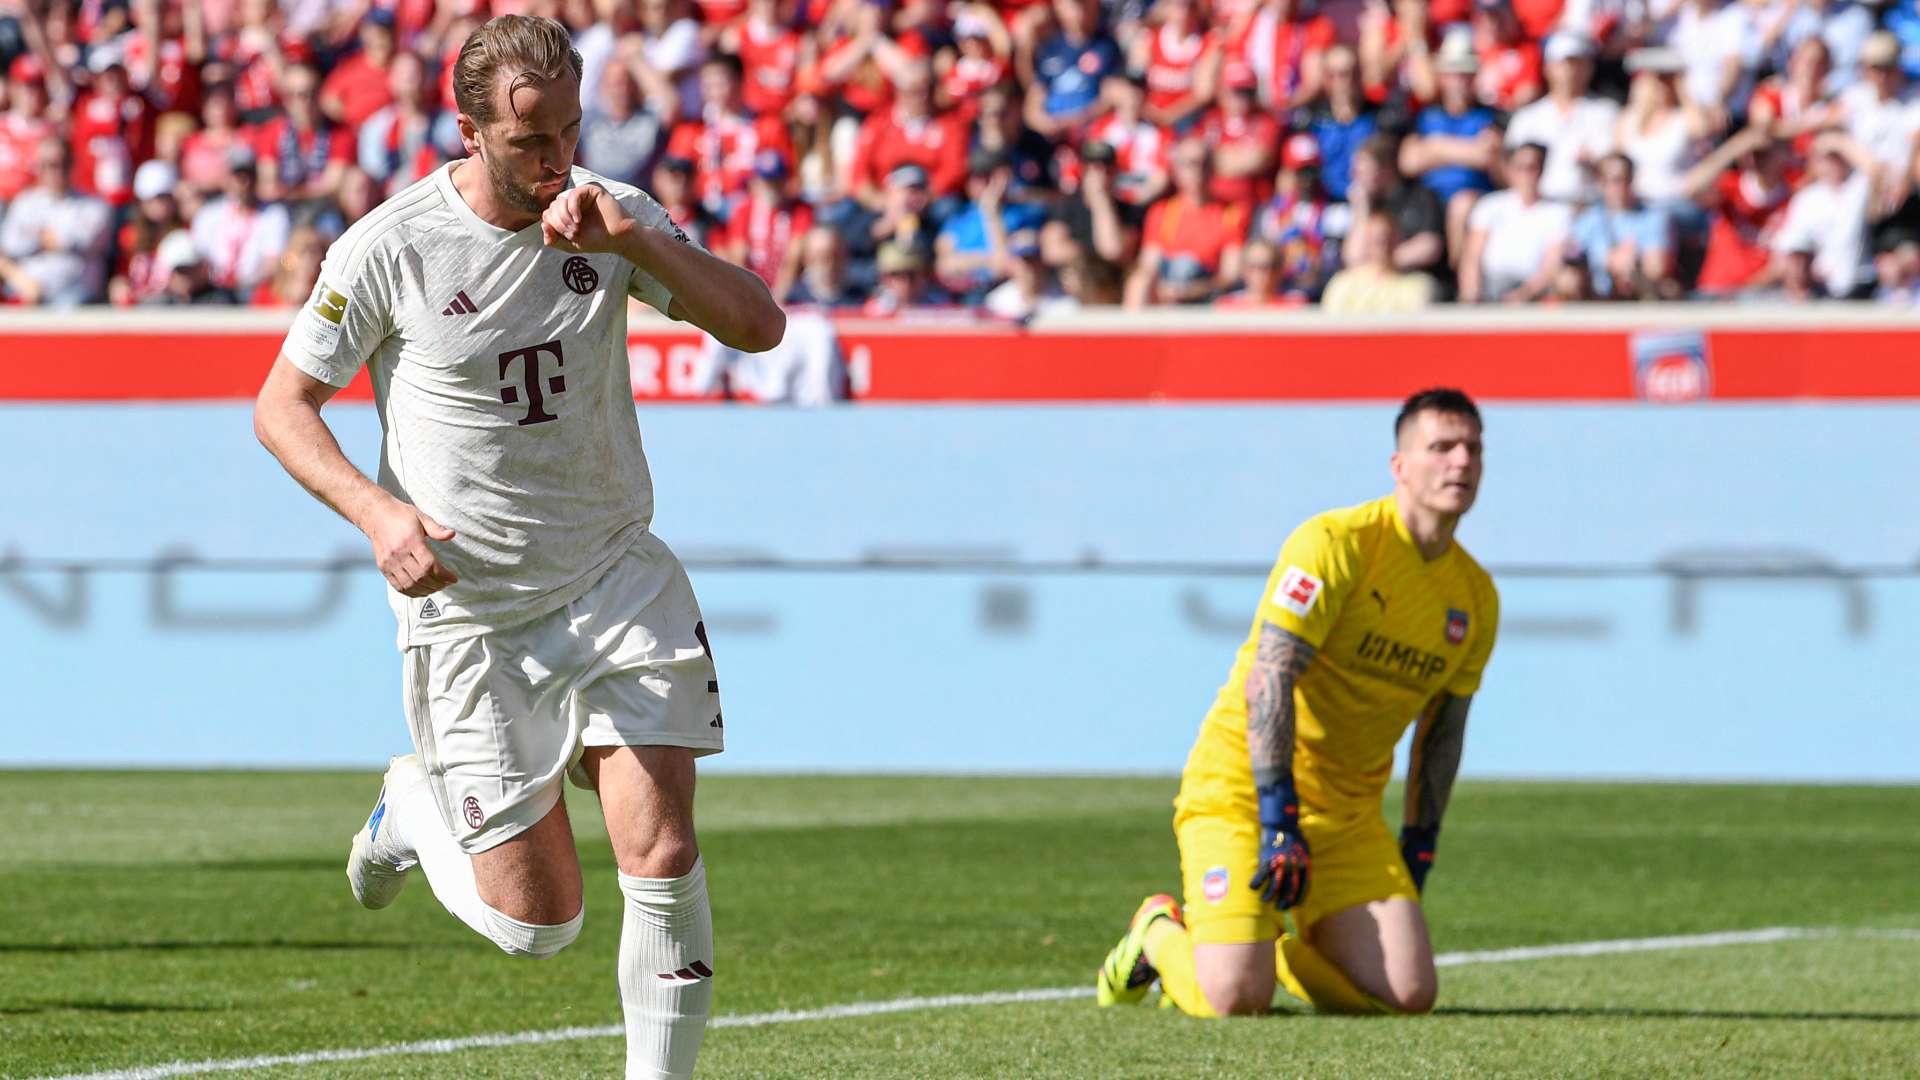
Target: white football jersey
(499,368)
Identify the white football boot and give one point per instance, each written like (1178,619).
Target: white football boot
(377,868)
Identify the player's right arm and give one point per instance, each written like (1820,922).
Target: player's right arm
(1280,658)
(1305,594)
(344,323)
(286,418)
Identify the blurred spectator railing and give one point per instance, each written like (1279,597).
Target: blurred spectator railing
(1661,354)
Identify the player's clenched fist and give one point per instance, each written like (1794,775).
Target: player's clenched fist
(585,218)
(399,533)
(1281,877)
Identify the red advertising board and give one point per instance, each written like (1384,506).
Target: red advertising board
(101,358)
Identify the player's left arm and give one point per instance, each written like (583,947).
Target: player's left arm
(1438,740)
(730,302)
(1440,737)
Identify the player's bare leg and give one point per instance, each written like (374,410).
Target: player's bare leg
(1383,948)
(523,895)
(1236,979)
(534,877)
(666,934)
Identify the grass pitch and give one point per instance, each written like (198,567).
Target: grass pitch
(154,917)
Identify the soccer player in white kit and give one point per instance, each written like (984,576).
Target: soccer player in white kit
(546,632)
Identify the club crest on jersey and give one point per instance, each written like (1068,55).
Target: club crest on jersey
(1214,885)
(579,275)
(1456,626)
(1297,591)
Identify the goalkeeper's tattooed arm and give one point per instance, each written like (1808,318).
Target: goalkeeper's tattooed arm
(1437,743)
(1280,658)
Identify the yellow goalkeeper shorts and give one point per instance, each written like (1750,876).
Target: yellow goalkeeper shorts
(1355,861)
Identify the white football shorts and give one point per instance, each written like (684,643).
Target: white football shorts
(500,717)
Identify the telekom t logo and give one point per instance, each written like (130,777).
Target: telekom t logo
(530,378)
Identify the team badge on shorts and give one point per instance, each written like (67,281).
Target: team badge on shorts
(1214,885)
(1456,626)
(471,808)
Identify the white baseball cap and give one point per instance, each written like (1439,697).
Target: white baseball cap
(176,252)
(1568,45)
(154,179)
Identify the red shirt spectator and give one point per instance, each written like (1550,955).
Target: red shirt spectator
(977,61)
(720,12)
(1749,202)
(1201,231)
(1190,241)
(308,152)
(112,131)
(1244,141)
(849,66)
(358,86)
(203,156)
(1283,44)
(724,142)
(765,230)
(910,133)
(1509,74)
(23,127)
(1139,148)
(770,57)
(1176,56)
(255,54)
(1538,17)
(170,81)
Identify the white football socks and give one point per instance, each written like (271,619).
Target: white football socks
(449,871)
(666,972)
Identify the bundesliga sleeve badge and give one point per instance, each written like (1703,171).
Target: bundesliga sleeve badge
(1297,591)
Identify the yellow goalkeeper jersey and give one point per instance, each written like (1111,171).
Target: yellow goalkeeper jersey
(1390,630)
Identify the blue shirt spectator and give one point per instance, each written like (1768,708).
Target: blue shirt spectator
(1446,181)
(1619,234)
(1069,65)
(1338,140)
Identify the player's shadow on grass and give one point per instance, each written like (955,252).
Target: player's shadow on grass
(62,947)
(100,1006)
(1602,1013)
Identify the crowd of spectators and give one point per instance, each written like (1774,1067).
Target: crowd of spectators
(1015,156)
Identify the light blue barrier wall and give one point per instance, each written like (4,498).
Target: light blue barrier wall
(1644,675)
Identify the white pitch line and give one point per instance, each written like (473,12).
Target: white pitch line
(1628,945)
(947,1001)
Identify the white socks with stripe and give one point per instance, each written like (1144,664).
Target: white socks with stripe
(666,972)
(449,871)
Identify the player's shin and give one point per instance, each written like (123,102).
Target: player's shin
(1311,977)
(1169,949)
(666,972)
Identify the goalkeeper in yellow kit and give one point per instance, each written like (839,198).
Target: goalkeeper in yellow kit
(1372,617)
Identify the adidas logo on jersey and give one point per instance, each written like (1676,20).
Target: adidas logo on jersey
(460,306)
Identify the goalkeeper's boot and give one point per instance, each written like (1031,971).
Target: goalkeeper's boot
(378,866)
(1126,975)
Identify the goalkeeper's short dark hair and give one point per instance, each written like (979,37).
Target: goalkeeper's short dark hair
(1444,399)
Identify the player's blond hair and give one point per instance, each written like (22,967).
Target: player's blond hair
(538,48)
